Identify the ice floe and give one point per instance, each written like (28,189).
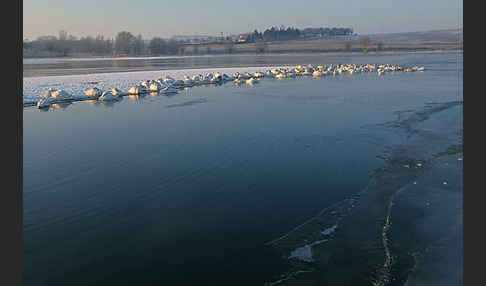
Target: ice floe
(304,253)
(329,230)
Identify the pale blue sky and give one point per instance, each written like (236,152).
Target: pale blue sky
(211,17)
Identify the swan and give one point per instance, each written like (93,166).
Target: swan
(168,89)
(188,81)
(93,92)
(146,84)
(251,81)
(237,80)
(197,79)
(44,103)
(205,80)
(117,92)
(137,89)
(155,86)
(299,69)
(108,96)
(306,72)
(316,73)
(216,78)
(228,77)
(258,74)
(169,80)
(291,74)
(56,93)
(178,83)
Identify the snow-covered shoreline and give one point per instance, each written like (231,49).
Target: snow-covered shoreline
(34,87)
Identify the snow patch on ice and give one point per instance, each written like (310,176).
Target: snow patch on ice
(304,253)
(329,230)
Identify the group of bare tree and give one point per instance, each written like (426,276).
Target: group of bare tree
(125,43)
(65,45)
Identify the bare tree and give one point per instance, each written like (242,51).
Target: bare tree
(63,35)
(379,46)
(63,45)
(347,46)
(229,46)
(157,46)
(364,41)
(124,42)
(260,45)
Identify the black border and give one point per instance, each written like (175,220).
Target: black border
(11,251)
(473,141)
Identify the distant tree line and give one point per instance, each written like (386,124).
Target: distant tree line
(125,43)
(291,33)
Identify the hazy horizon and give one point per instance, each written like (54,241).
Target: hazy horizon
(193,18)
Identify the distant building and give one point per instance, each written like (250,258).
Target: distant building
(196,39)
(242,38)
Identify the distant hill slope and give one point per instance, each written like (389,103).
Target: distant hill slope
(438,36)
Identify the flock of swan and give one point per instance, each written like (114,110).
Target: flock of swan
(168,85)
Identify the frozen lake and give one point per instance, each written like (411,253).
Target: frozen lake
(186,189)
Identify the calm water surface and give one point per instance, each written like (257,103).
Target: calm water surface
(186,189)
(68,66)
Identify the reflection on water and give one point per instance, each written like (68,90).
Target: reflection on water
(45,67)
(187,103)
(62,105)
(137,97)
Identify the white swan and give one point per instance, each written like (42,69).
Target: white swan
(188,82)
(44,103)
(146,83)
(57,94)
(155,86)
(108,96)
(178,83)
(137,89)
(93,92)
(291,74)
(168,89)
(117,92)
(228,77)
(280,75)
(216,78)
(251,81)
(258,74)
(169,80)
(239,80)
